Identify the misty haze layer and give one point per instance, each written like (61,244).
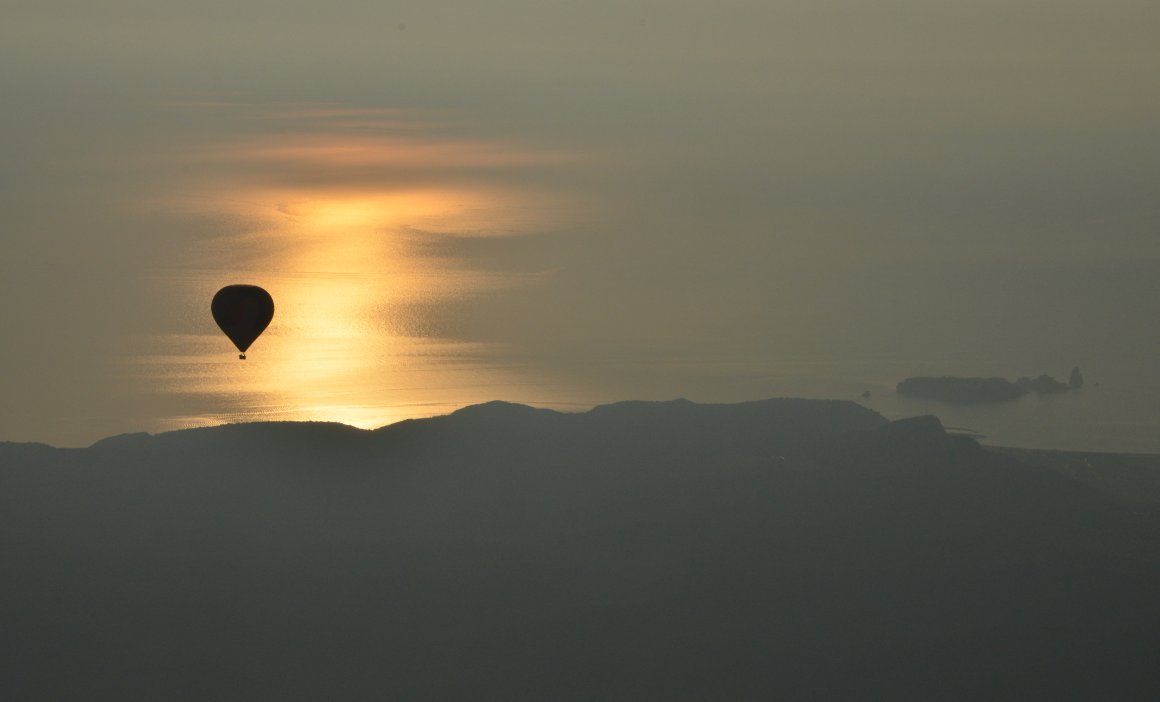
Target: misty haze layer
(573,204)
(782,549)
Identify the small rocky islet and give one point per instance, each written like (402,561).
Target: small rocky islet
(984,390)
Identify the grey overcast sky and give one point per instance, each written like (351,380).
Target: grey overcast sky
(566,203)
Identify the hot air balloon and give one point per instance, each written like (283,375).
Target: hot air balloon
(243,312)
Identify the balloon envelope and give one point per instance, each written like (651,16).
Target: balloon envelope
(243,312)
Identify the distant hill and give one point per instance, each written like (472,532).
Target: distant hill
(782,549)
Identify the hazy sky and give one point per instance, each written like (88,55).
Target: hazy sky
(564,202)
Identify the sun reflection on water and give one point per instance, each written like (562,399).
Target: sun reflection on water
(339,247)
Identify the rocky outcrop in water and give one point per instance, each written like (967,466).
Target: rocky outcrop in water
(1043,385)
(963,390)
(1075,382)
(983,390)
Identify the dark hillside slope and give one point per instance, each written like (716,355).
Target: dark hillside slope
(1132,478)
(784,549)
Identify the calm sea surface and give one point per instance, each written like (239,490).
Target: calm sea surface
(316,365)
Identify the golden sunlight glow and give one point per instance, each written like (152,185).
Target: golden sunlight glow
(344,250)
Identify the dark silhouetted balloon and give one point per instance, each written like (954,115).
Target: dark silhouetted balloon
(243,312)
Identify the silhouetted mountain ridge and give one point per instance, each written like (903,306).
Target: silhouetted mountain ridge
(781,421)
(780,549)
